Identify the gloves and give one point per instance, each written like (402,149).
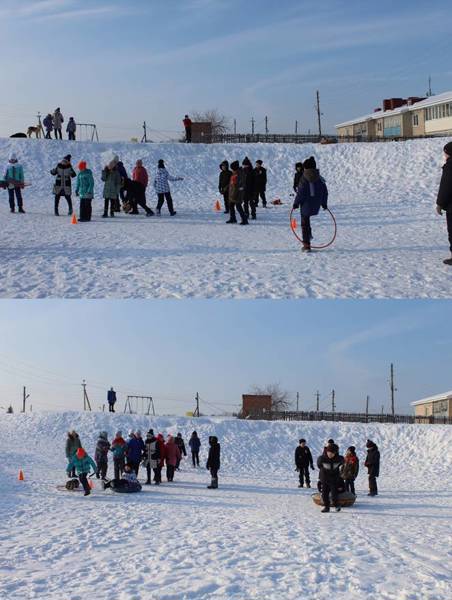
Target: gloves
(439,210)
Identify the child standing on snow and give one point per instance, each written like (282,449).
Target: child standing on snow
(350,469)
(162,188)
(234,196)
(172,456)
(303,460)
(195,445)
(14,180)
(223,183)
(83,464)
(72,445)
(213,461)
(311,195)
(119,449)
(85,190)
(112,186)
(373,466)
(329,464)
(101,455)
(444,200)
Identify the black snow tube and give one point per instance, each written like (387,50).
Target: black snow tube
(126,487)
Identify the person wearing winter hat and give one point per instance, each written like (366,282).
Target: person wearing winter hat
(444,199)
(373,466)
(135,196)
(260,183)
(135,448)
(329,464)
(161,461)
(101,455)
(223,184)
(213,461)
(119,449)
(246,188)
(234,196)
(298,175)
(179,441)
(63,173)
(83,464)
(311,195)
(14,181)
(72,445)
(151,456)
(172,456)
(48,125)
(187,126)
(350,469)
(71,129)
(162,188)
(58,121)
(112,186)
(84,189)
(303,460)
(195,445)
(111,399)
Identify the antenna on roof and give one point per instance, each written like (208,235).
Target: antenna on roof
(429,91)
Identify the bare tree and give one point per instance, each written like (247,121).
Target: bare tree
(280,397)
(220,123)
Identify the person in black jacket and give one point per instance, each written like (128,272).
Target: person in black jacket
(373,466)
(329,464)
(213,461)
(298,175)
(303,460)
(135,196)
(444,200)
(260,183)
(223,184)
(179,441)
(246,188)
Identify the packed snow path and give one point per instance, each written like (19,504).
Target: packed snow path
(390,242)
(257,536)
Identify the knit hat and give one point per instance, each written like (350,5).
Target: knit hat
(246,162)
(103,435)
(299,165)
(351,449)
(235,166)
(330,441)
(12,157)
(310,163)
(151,432)
(161,164)
(332,448)
(259,162)
(448,149)
(118,434)
(82,165)
(370,444)
(302,441)
(80,453)
(224,164)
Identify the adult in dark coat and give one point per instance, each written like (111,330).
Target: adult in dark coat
(101,455)
(329,464)
(260,183)
(213,461)
(298,175)
(235,197)
(48,125)
(303,460)
(444,200)
(151,456)
(63,186)
(135,447)
(195,445)
(179,441)
(187,126)
(124,175)
(111,398)
(311,195)
(223,184)
(373,466)
(135,195)
(246,188)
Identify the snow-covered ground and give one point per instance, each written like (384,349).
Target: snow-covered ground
(390,241)
(257,536)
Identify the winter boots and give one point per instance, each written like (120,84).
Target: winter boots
(448,261)
(214,484)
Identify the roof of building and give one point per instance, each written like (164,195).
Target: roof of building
(431,101)
(438,397)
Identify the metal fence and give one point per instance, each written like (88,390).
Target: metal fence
(347,417)
(283,138)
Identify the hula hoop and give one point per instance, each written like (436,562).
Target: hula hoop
(323,245)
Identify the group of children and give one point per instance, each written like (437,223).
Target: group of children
(153,453)
(337,473)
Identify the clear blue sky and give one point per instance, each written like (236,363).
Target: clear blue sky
(119,62)
(173,349)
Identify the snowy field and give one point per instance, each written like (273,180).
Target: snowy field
(390,242)
(257,537)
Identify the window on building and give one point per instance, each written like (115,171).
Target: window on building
(415,120)
(379,126)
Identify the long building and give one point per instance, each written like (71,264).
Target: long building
(399,118)
(434,406)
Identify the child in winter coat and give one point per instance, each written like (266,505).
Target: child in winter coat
(234,196)
(162,188)
(373,466)
(247,188)
(195,445)
(298,175)
(119,449)
(140,174)
(84,189)
(48,125)
(350,469)
(112,186)
(311,195)
(58,121)
(151,456)
(14,181)
(162,450)
(444,200)
(63,173)
(179,441)
(303,460)
(72,445)
(127,483)
(172,455)
(135,447)
(223,184)
(71,129)
(260,183)
(101,455)
(329,464)
(213,461)
(83,464)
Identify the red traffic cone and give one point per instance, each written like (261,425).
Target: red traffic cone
(21,475)
(74,219)
(217,206)
(293,224)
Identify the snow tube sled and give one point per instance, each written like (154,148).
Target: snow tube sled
(345,499)
(121,486)
(72,484)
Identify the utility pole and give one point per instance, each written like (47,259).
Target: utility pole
(24,400)
(266,125)
(319,114)
(86,402)
(318,400)
(235,126)
(367,408)
(252,125)
(333,403)
(298,399)
(296,127)
(393,390)
(196,411)
(429,93)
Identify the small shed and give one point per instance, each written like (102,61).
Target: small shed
(201,133)
(256,406)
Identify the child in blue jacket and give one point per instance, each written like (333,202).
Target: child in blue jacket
(83,464)
(14,181)
(311,195)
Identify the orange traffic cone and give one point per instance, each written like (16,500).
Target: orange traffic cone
(21,475)
(293,223)
(74,219)
(217,206)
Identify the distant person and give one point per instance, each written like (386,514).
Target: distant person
(444,200)
(350,469)
(72,445)
(373,466)
(127,483)
(64,173)
(247,187)
(187,125)
(112,186)
(213,461)
(298,175)
(101,455)
(71,128)
(84,189)
(161,460)
(172,456)
(140,174)
(329,464)
(311,195)
(135,447)
(260,183)
(48,126)
(15,180)
(83,464)
(234,196)
(119,449)
(223,184)
(151,456)
(111,399)
(303,460)
(58,121)
(162,188)
(179,441)
(195,446)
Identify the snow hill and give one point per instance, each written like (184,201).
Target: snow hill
(257,536)
(390,241)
